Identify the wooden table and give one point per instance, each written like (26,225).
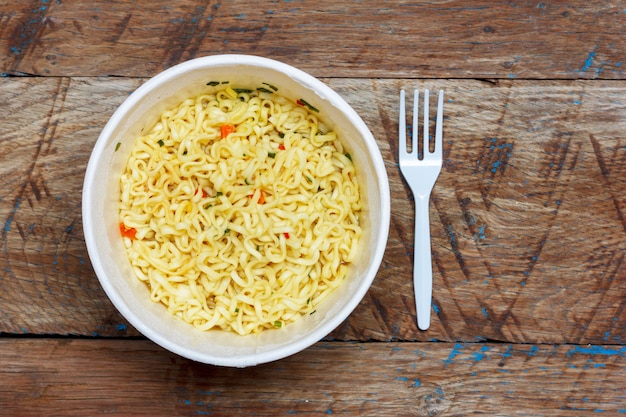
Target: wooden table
(528,217)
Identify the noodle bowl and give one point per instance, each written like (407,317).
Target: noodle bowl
(213,195)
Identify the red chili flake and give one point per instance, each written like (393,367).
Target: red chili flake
(281,147)
(227,130)
(286,235)
(129,232)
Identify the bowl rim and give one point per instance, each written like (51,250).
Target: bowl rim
(306,80)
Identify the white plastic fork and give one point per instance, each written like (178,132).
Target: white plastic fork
(421,175)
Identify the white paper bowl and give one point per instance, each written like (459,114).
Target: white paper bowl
(100,210)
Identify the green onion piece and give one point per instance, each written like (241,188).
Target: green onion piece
(309,106)
(160,142)
(213,83)
(237,310)
(349,156)
(264,90)
(278,324)
(242,90)
(219,193)
(312,312)
(271,154)
(226,231)
(118,146)
(271,86)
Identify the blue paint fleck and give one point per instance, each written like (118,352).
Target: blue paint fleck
(456,350)
(120,327)
(481,232)
(485,313)
(507,354)
(16,206)
(402,378)
(597,350)
(479,356)
(588,61)
(416,382)
(435,308)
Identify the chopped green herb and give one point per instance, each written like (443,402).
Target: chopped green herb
(271,86)
(308,300)
(264,90)
(237,310)
(281,135)
(160,142)
(226,231)
(246,181)
(118,146)
(349,156)
(242,90)
(312,312)
(278,324)
(219,193)
(271,154)
(310,107)
(213,83)
(309,179)
(185,152)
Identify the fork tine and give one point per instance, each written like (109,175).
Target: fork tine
(426,139)
(439,127)
(402,125)
(414,134)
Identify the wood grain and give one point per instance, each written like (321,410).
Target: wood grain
(444,39)
(527,217)
(74,378)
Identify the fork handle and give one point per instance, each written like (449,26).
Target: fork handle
(422,264)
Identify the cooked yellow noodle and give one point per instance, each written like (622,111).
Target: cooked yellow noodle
(246,232)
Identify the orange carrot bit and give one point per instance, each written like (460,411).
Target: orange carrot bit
(261,197)
(227,130)
(201,190)
(129,232)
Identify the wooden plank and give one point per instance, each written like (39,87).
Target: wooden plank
(527,217)
(74,377)
(451,39)
(47,131)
